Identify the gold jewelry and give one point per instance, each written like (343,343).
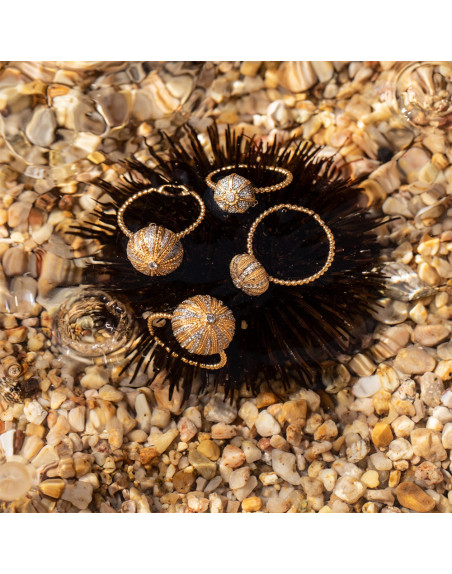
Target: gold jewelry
(249,275)
(201,324)
(235,194)
(156,250)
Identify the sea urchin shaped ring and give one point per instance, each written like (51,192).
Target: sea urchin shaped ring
(202,325)
(249,275)
(156,250)
(235,194)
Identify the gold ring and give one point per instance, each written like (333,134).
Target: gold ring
(249,275)
(154,249)
(235,194)
(202,325)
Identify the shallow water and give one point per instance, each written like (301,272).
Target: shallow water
(77,436)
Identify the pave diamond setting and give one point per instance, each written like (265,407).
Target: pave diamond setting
(234,193)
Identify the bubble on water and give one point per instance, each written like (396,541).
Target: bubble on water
(421,93)
(94,326)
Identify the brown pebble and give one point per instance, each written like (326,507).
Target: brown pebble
(147,454)
(413,497)
(52,487)
(266,399)
(294,412)
(183,481)
(382,435)
(251,504)
(209,449)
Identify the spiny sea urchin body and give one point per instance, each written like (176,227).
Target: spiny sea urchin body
(282,333)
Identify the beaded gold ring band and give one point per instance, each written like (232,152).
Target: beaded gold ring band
(249,275)
(235,194)
(202,325)
(154,249)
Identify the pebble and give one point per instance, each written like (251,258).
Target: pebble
(326,431)
(370,479)
(427,444)
(238,478)
(209,449)
(34,412)
(52,487)
(204,466)
(349,489)
(429,474)
(223,431)
(277,505)
(252,504)
(252,452)
(400,449)
(162,441)
(284,464)
(430,335)
(219,411)
(232,456)
(293,412)
(183,481)
(160,417)
(248,412)
(413,497)
(78,494)
(414,361)
(381,435)
(432,388)
(110,393)
(187,429)
(266,425)
(143,412)
(95,378)
(15,480)
(446,398)
(402,426)
(245,491)
(446,437)
(366,386)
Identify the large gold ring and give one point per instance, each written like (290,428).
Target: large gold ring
(249,275)
(235,194)
(202,325)
(154,249)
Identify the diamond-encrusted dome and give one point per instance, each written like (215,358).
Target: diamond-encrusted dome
(203,325)
(234,193)
(155,250)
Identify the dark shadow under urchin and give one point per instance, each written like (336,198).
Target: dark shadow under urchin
(283,335)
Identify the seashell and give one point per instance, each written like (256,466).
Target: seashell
(11,391)
(155,250)
(404,284)
(13,369)
(248,274)
(203,325)
(234,193)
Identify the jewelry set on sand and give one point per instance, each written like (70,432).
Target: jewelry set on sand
(202,324)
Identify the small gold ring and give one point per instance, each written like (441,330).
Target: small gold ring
(202,325)
(154,249)
(249,275)
(235,194)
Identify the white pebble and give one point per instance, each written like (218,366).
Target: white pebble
(284,465)
(349,489)
(366,386)
(34,413)
(266,425)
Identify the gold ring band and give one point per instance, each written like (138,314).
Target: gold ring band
(161,189)
(221,363)
(249,275)
(154,249)
(288,177)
